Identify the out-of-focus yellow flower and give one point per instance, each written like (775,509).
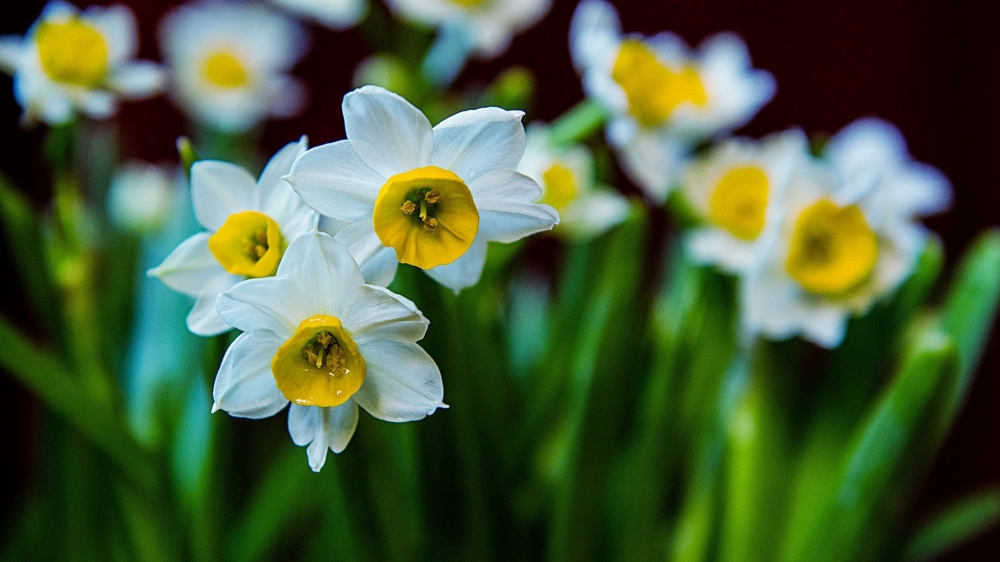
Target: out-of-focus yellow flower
(229,63)
(335,14)
(77,62)
(663,96)
(737,189)
(566,175)
(849,236)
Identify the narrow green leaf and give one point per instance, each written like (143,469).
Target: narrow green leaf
(578,123)
(953,525)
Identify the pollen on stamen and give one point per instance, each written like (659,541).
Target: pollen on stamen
(261,235)
(432,197)
(430,223)
(409,207)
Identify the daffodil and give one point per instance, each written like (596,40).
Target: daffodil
(487,25)
(249,224)
(335,14)
(849,236)
(229,63)
(428,197)
(566,175)
(74,62)
(737,190)
(660,94)
(318,337)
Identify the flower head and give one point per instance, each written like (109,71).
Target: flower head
(737,191)
(488,24)
(74,62)
(566,175)
(662,95)
(248,223)
(428,197)
(335,14)
(317,337)
(142,196)
(849,236)
(229,63)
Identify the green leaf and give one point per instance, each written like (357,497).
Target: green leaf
(953,525)
(578,123)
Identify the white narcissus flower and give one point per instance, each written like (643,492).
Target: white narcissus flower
(428,197)
(566,175)
(317,337)
(73,62)
(849,236)
(661,95)
(248,223)
(335,14)
(737,191)
(488,24)
(229,63)
(142,195)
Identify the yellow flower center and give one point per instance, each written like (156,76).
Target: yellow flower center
(469,3)
(320,365)
(225,70)
(832,248)
(652,88)
(249,244)
(739,202)
(427,215)
(72,52)
(560,186)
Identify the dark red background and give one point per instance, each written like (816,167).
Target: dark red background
(931,68)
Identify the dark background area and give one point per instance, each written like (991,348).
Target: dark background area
(931,68)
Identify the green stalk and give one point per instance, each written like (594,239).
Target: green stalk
(953,525)
(578,123)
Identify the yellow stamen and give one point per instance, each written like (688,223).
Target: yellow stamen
(739,202)
(72,52)
(560,186)
(224,69)
(833,249)
(249,244)
(443,230)
(320,365)
(653,89)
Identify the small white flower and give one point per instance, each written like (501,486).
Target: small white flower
(316,336)
(489,24)
(849,237)
(662,95)
(566,175)
(429,197)
(229,63)
(737,190)
(142,195)
(77,62)
(249,225)
(335,14)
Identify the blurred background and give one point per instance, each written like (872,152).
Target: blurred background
(932,68)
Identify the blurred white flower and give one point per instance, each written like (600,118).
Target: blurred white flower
(229,63)
(141,196)
(429,197)
(335,14)
(849,236)
(488,25)
(737,189)
(316,336)
(73,62)
(249,224)
(663,96)
(566,175)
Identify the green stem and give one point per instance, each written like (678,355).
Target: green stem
(578,123)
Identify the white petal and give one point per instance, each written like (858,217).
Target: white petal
(654,163)
(204,320)
(378,263)
(463,272)
(98,104)
(139,79)
(278,200)
(386,131)
(334,180)
(278,166)
(12,49)
(335,14)
(379,314)
(402,382)
(219,189)
(594,213)
(322,429)
(119,29)
(506,212)
(324,270)
(473,142)
(272,303)
(245,386)
(825,326)
(594,31)
(190,267)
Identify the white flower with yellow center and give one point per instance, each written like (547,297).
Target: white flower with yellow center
(249,225)
(428,197)
(661,95)
(736,190)
(77,62)
(229,63)
(849,236)
(488,25)
(317,337)
(566,175)
(335,14)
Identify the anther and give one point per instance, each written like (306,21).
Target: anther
(409,207)
(261,235)
(324,339)
(432,197)
(430,223)
(260,250)
(335,358)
